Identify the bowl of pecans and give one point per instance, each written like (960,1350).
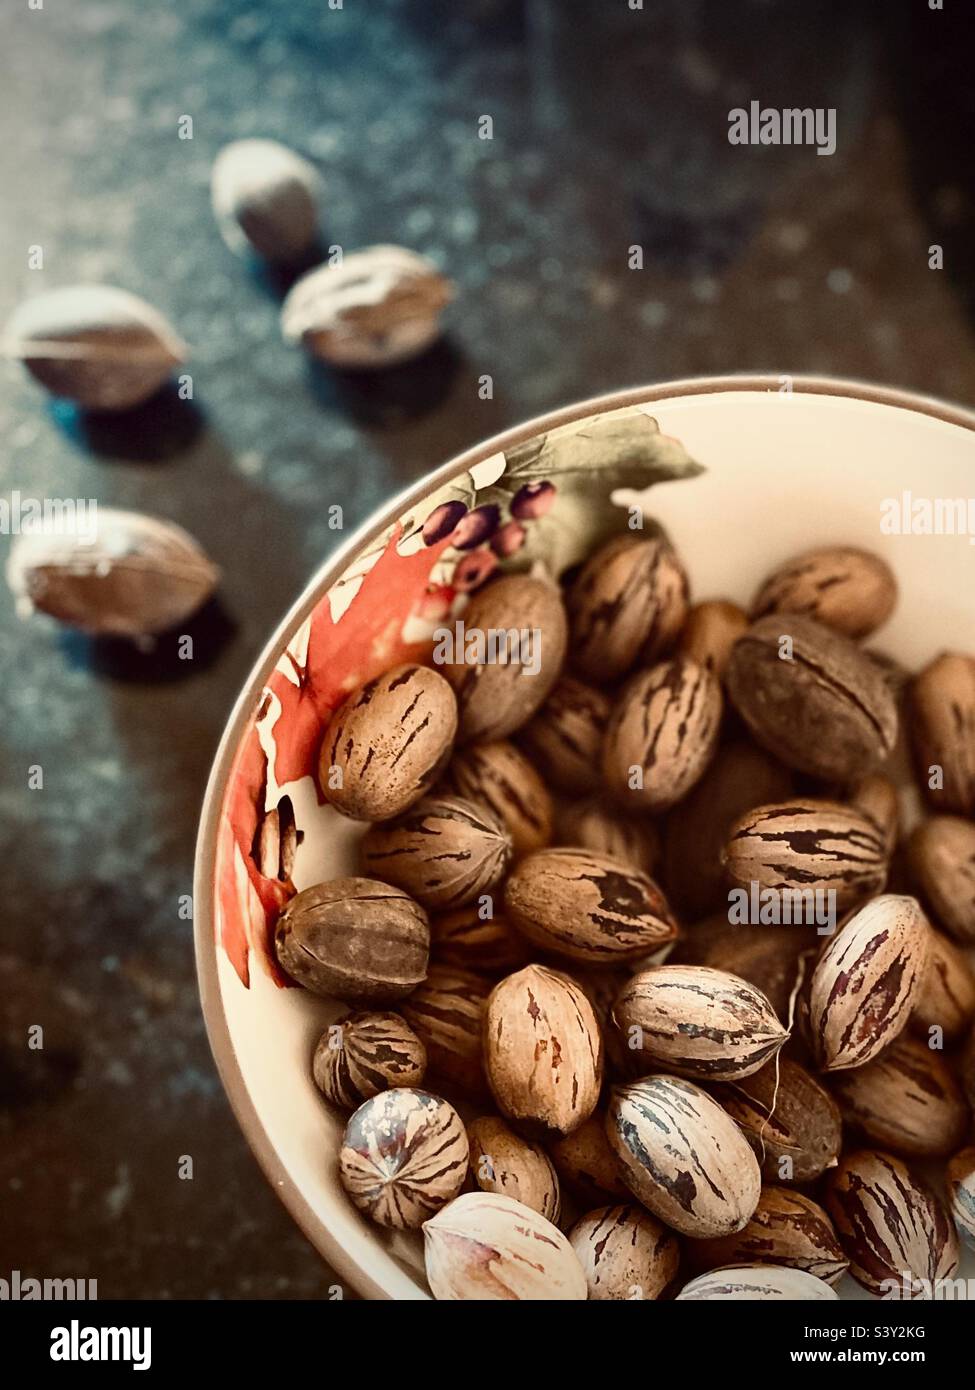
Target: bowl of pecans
(587,865)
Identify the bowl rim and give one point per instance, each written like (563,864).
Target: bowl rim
(206,946)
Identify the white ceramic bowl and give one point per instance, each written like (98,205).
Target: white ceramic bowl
(785,470)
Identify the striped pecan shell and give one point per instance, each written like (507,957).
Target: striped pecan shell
(498,776)
(946,999)
(566,734)
(495,698)
(485,1247)
(906,1100)
(942,703)
(543,1051)
(942,860)
(786,1228)
(501,1161)
(792,1123)
(848,590)
(354,938)
(627,604)
(447,1014)
(364,1054)
(625,1253)
(703,1023)
(388,743)
(683,1156)
(661,734)
(961,1191)
(894,1231)
(587,907)
(816,700)
(753,1283)
(592,825)
(403,1157)
(467,939)
(444,851)
(866,981)
(808,846)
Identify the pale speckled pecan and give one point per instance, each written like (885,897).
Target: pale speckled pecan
(826,710)
(366,1053)
(502,1161)
(866,981)
(889,1224)
(627,604)
(790,1120)
(683,1156)
(665,724)
(388,743)
(498,776)
(403,1157)
(488,1247)
(946,999)
(699,1022)
(496,698)
(786,1228)
(445,851)
(961,1191)
(846,589)
(757,1283)
(355,938)
(447,1014)
(542,1050)
(587,907)
(942,704)
(906,1100)
(565,736)
(472,941)
(821,846)
(942,860)
(740,778)
(711,630)
(634,840)
(625,1253)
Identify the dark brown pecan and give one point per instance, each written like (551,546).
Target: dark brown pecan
(661,735)
(942,860)
(355,938)
(812,697)
(946,999)
(474,941)
(790,1120)
(587,907)
(894,1231)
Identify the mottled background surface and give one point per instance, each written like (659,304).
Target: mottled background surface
(610,129)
